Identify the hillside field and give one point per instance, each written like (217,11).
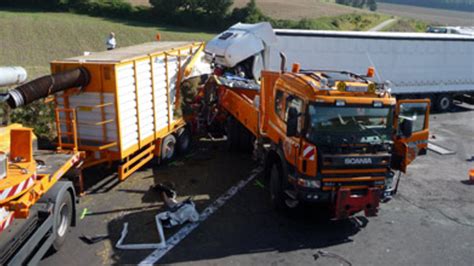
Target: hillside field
(32,40)
(298,9)
(430,15)
(295,9)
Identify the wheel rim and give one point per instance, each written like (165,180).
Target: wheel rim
(168,150)
(444,103)
(63,219)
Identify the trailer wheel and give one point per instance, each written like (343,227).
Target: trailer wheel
(184,140)
(168,148)
(444,103)
(62,219)
(277,195)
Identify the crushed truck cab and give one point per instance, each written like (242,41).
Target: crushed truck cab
(324,136)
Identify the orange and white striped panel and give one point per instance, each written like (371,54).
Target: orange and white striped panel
(17,189)
(309,152)
(6,218)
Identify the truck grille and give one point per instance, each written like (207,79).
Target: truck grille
(355,161)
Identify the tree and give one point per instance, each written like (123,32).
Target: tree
(250,13)
(205,13)
(218,8)
(372,4)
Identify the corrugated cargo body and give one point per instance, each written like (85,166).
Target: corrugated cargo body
(129,104)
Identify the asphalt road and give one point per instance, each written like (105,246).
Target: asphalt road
(429,222)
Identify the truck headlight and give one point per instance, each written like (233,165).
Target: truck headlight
(309,183)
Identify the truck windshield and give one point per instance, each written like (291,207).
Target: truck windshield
(349,124)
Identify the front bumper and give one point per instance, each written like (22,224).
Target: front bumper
(348,203)
(344,201)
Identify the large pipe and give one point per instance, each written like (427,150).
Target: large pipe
(12,75)
(47,85)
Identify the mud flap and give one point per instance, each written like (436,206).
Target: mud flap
(348,204)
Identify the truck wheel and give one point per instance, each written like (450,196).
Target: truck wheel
(444,103)
(184,140)
(168,148)
(245,139)
(62,219)
(232,131)
(277,195)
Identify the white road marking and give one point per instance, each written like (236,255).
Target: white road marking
(187,229)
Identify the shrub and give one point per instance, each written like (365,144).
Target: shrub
(196,13)
(248,14)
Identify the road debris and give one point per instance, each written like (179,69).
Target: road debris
(323,253)
(259,184)
(439,150)
(176,163)
(177,213)
(84,213)
(93,239)
(186,230)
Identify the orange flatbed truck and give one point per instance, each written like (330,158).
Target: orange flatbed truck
(37,198)
(324,136)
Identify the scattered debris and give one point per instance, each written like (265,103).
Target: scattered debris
(190,155)
(187,229)
(176,163)
(439,150)
(84,213)
(259,184)
(322,253)
(93,239)
(177,213)
(120,244)
(167,188)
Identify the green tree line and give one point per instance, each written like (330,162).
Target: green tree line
(212,15)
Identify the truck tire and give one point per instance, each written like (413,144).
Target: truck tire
(443,103)
(232,131)
(183,141)
(277,195)
(245,140)
(63,219)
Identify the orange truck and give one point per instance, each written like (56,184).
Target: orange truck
(117,106)
(37,190)
(329,137)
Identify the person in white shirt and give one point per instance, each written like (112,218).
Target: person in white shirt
(111,43)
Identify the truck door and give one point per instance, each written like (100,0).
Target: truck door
(291,145)
(406,148)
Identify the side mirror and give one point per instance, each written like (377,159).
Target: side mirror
(292,122)
(406,128)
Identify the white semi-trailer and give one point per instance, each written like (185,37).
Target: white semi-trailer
(418,65)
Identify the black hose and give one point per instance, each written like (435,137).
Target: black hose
(47,85)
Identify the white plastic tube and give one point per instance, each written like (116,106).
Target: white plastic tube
(11,75)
